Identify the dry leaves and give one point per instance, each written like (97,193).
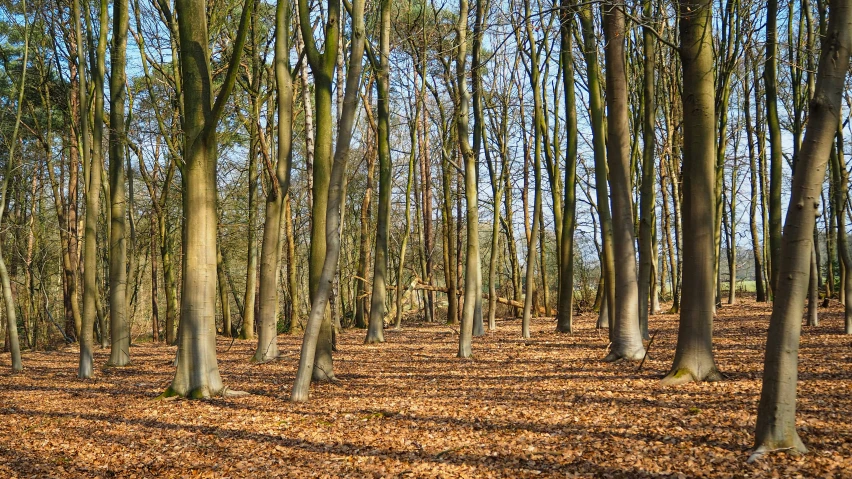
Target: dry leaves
(544,407)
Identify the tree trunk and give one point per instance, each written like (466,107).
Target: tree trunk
(776,414)
(775,150)
(270,253)
(813,290)
(375,328)
(625,334)
(599,146)
(86,367)
(648,202)
(407,230)
(309,360)
(197,370)
(841,198)
(757,249)
(8,300)
(323,66)
(119,327)
(472,289)
(565,300)
(155,302)
(532,233)
(361,310)
(694,353)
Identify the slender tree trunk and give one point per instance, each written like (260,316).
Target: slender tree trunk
(776,414)
(775,153)
(813,290)
(308,360)
(757,249)
(532,233)
(599,146)
(732,238)
(565,306)
(361,310)
(11,317)
(375,328)
(270,254)
(472,291)
(648,202)
(400,290)
(841,198)
(625,334)
(119,327)
(292,279)
(450,242)
(86,367)
(248,326)
(155,302)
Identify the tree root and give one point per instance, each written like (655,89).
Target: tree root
(796,449)
(230,393)
(616,356)
(679,376)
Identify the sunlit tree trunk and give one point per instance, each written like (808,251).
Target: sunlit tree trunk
(625,334)
(776,414)
(8,300)
(472,290)
(318,315)
(86,367)
(197,370)
(375,327)
(270,253)
(648,202)
(119,327)
(565,299)
(770,73)
(590,50)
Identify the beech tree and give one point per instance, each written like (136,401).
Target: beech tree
(694,355)
(307,358)
(119,327)
(197,370)
(625,334)
(776,413)
(279,180)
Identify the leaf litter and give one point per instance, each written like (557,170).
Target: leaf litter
(543,407)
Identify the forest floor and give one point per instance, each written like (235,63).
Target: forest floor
(544,407)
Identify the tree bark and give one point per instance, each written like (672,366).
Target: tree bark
(119,327)
(308,359)
(472,272)
(93,188)
(841,198)
(8,300)
(197,370)
(625,334)
(270,253)
(648,202)
(375,328)
(775,153)
(599,146)
(694,353)
(565,300)
(776,414)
